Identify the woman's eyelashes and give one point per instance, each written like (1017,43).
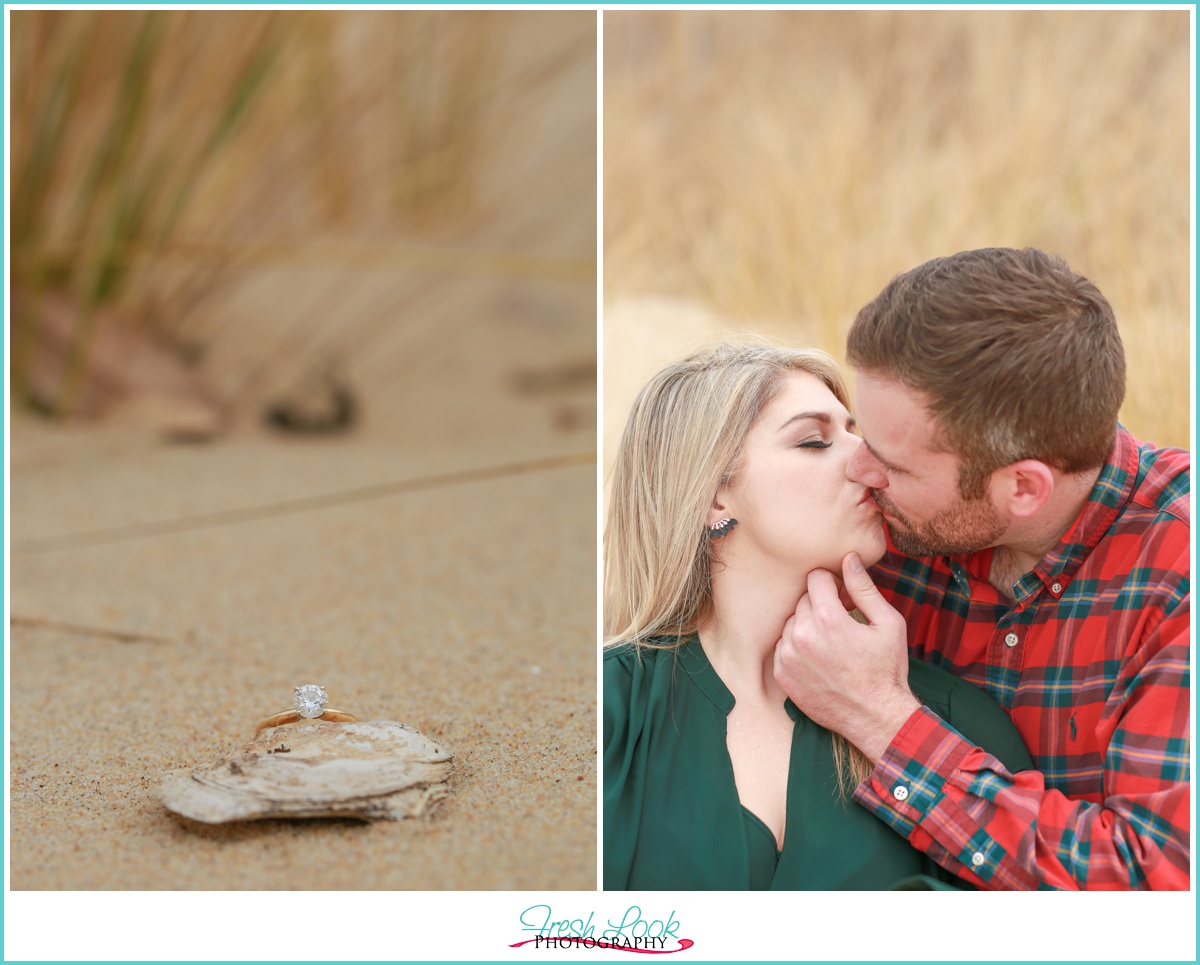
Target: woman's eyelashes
(814,444)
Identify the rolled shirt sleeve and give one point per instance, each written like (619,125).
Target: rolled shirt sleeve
(1002,830)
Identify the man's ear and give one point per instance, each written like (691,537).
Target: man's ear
(1022,488)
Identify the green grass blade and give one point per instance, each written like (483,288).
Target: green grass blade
(125,130)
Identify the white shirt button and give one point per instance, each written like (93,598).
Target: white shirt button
(900,792)
(977,858)
(1011,640)
(1056,588)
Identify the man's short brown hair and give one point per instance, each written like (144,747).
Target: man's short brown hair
(1019,357)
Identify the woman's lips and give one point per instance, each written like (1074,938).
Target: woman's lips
(869,500)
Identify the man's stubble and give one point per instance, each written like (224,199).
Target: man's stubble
(966,526)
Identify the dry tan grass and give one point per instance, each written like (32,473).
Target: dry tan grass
(778,168)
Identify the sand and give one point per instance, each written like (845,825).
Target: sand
(466,610)
(437,566)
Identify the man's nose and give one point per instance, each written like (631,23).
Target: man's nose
(866,469)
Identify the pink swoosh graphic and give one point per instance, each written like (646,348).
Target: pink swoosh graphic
(684,945)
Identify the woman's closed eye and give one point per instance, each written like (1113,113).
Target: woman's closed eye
(814,444)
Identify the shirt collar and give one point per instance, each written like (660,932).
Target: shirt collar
(694,662)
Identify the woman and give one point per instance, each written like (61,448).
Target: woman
(728,489)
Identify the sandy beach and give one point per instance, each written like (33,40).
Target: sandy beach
(165,599)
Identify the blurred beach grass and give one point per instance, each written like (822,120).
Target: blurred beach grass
(770,171)
(165,162)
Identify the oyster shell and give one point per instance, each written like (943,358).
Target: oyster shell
(373,770)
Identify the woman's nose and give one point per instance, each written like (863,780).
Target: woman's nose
(865,468)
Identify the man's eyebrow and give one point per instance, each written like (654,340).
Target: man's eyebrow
(881,460)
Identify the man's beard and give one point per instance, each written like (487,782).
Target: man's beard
(966,526)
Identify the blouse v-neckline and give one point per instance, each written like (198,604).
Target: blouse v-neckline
(694,660)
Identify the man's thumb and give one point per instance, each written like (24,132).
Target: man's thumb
(862,590)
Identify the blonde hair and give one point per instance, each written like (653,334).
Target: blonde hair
(682,441)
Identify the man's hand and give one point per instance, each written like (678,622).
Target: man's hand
(848,677)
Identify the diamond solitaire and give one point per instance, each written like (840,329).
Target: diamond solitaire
(310,700)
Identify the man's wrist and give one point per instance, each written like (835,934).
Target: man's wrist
(874,734)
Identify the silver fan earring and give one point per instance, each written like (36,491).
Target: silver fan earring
(720,528)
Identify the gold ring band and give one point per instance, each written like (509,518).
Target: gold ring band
(309,702)
(291,717)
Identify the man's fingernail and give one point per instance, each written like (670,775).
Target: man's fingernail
(855,563)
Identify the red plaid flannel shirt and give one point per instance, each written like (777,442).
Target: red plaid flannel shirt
(1091,661)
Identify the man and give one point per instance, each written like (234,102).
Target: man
(1043,554)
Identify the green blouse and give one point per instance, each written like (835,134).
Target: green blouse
(672,818)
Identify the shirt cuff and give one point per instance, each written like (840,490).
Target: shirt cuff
(907,783)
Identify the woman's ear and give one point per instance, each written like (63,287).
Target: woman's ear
(719,507)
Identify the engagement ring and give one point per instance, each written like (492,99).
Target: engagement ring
(309,702)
